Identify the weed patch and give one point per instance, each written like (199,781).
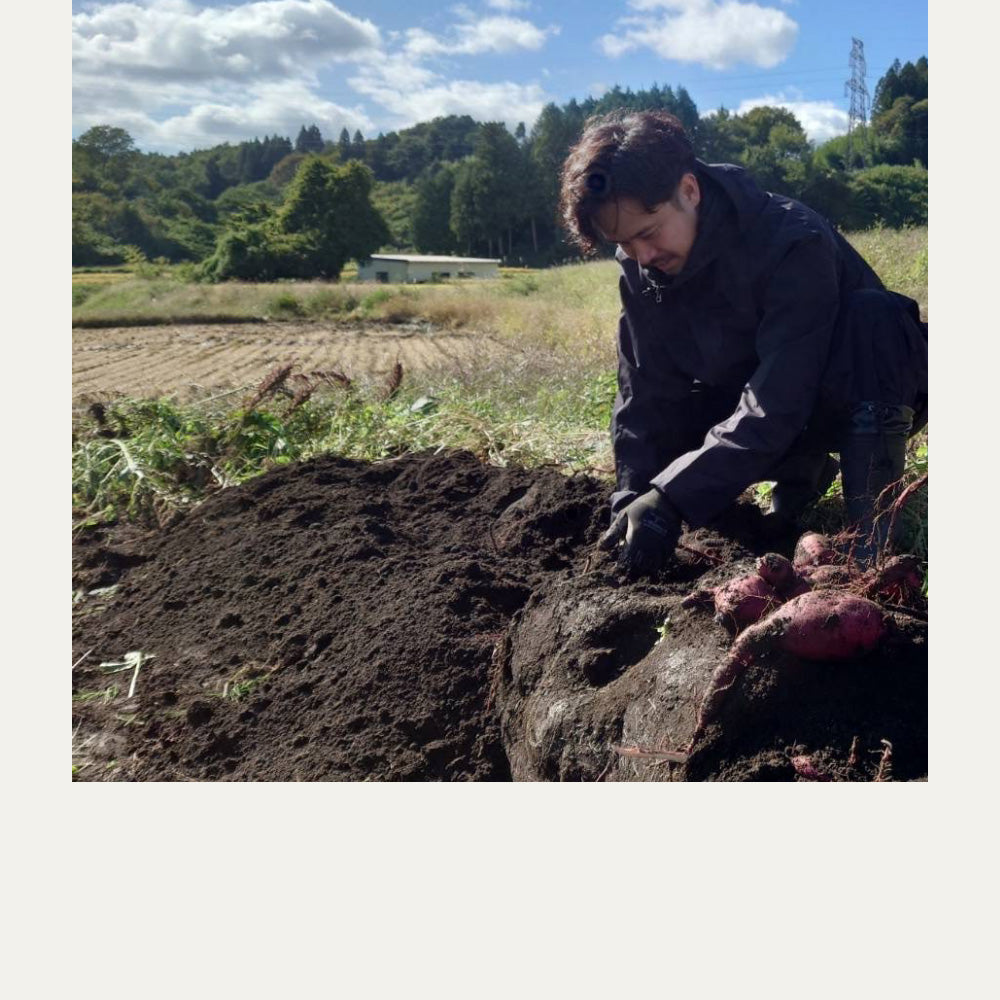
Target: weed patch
(141,459)
(522,284)
(285,306)
(82,292)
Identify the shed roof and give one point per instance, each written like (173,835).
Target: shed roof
(415,258)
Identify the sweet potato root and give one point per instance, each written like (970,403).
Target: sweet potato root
(823,626)
(744,601)
(818,625)
(807,770)
(813,549)
(781,575)
(899,580)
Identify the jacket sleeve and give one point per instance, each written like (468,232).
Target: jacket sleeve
(640,418)
(800,304)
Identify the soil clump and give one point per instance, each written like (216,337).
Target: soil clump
(433,618)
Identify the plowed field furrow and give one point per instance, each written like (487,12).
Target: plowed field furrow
(143,372)
(130,369)
(183,360)
(213,366)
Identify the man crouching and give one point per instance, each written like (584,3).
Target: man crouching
(753,341)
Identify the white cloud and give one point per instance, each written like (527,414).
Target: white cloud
(411,93)
(174,40)
(478,35)
(714,33)
(821,120)
(182,76)
(267,109)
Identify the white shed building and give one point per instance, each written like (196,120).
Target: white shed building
(407,267)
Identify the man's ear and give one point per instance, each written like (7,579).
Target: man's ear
(690,191)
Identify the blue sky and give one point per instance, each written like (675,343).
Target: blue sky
(182,75)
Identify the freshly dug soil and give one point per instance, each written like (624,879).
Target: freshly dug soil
(330,620)
(433,618)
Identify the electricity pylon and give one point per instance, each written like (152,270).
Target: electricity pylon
(858,91)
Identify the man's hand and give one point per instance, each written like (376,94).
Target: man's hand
(648,529)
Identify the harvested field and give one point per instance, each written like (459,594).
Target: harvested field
(185,361)
(433,618)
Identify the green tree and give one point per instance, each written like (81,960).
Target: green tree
(378,156)
(887,194)
(105,142)
(92,241)
(284,170)
(551,138)
(257,159)
(496,184)
(249,251)
(901,131)
(410,155)
(899,114)
(687,111)
(910,80)
(463,218)
(104,153)
(309,140)
(332,205)
(326,219)
(720,137)
(344,145)
(777,151)
(432,231)
(768,141)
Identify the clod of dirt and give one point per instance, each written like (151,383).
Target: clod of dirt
(589,665)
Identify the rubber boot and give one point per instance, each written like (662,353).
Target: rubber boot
(872,457)
(801,480)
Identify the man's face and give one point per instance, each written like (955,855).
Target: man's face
(662,238)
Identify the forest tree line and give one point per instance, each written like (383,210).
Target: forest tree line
(271,207)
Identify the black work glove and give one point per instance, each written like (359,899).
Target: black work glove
(648,529)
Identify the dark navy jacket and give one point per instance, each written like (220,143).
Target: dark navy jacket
(753,311)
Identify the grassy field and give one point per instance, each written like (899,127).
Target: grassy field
(551,404)
(574,304)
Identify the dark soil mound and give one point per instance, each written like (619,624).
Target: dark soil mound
(432,618)
(331,620)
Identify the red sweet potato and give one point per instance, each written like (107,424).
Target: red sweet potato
(819,625)
(744,601)
(899,580)
(806,769)
(813,549)
(826,626)
(781,575)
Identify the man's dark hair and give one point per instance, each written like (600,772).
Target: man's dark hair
(624,154)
